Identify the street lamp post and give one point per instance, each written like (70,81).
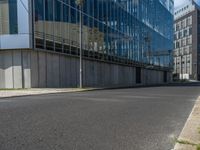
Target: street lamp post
(181,67)
(80,3)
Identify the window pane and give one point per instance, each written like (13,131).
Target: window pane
(8,17)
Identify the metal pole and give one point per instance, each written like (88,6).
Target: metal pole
(186,65)
(181,68)
(176,65)
(80,38)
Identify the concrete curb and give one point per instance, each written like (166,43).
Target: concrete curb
(36,92)
(43,91)
(190,131)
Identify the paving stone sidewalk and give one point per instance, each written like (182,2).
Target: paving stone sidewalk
(4,93)
(190,132)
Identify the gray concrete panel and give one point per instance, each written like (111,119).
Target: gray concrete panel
(8,69)
(112,75)
(17,69)
(2,74)
(99,77)
(78,72)
(52,70)
(34,69)
(26,68)
(95,80)
(115,75)
(103,74)
(55,71)
(133,76)
(92,74)
(106,76)
(68,68)
(62,72)
(88,75)
(42,69)
(84,73)
(73,72)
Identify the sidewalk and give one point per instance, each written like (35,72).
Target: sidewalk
(191,132)
(5,93)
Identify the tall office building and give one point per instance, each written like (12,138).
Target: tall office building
(125,42)
(187,42)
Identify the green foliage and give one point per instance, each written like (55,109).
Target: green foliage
(186,142)
(12,89)
(199,130)
(189,143)
(198,147)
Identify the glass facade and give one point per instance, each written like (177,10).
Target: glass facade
(8,17)
(126,31)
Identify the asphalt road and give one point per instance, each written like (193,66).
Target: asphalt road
(121,119)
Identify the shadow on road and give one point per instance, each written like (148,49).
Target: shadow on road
(186,84)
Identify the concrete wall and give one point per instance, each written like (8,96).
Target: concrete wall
(33,69)
(15,69)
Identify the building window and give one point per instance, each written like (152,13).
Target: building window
(8,17)
(113,28)
(175,36)
(190,20)
(177,27)
(177,45)
(185,33)
(190,31)
(180,35)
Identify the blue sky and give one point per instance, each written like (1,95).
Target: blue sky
(179,2)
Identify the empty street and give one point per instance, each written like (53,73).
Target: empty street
(117,119)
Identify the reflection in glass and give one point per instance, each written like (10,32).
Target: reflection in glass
(8,17)
(113,30)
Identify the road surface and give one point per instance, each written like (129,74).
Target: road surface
(118,119)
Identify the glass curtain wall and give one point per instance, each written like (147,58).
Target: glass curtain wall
(8,17)
(115,30)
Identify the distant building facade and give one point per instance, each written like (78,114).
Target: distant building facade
(187,41)
(124,42)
